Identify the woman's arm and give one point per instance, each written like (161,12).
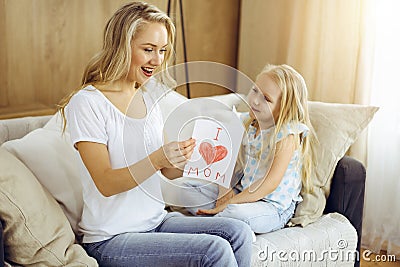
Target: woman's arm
(261,188)
(113,181)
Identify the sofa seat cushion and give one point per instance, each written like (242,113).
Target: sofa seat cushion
(330,241)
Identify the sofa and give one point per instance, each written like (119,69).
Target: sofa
(40,197)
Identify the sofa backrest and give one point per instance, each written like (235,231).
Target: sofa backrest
(11,129)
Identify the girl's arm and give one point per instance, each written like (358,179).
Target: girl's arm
(261,188)
(224,195)
(113,181)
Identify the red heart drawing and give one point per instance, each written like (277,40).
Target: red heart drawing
(212,154)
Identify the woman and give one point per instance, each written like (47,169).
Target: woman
(119,140)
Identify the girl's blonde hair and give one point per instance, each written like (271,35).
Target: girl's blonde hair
(113,61)
(293,110)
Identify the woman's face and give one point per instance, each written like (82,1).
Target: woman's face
(148,51)
(264,99)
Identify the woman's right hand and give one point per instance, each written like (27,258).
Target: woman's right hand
(173,154)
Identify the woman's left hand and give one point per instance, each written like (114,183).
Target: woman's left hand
(213,211)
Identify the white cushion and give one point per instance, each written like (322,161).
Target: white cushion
(51,157)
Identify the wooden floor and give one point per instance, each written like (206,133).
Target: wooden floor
(377,260)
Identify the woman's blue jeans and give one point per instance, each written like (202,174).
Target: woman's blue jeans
(179,241)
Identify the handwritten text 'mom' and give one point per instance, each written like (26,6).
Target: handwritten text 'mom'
(206,174)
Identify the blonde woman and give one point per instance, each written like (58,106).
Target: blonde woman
(275,159)
(117,129)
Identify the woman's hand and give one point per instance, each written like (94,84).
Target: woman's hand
(173,154)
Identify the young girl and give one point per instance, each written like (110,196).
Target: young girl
(124,221)
(275,158)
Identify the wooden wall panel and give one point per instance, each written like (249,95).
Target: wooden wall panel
(45,45)
(259,21)
(3,58)
(212,29)
(20,53)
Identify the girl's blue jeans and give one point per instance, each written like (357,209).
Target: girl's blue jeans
(179,241)
(261,216)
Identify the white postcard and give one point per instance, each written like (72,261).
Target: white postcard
(216,151)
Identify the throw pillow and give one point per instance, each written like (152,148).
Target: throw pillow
(36,231)
(51,157)
(337,126)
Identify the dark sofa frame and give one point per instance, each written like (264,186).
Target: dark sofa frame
(347,194)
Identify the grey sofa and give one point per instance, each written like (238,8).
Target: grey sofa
(347,188)
(342,220)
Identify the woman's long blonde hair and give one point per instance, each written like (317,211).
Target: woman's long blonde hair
(293,110)
(113,61)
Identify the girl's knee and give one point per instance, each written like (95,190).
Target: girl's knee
(258,223)
(232,211)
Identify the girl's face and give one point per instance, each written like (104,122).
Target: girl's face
(148,51)
(265,101)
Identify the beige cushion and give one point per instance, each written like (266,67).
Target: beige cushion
(51,157)
(36,231)
(337,127)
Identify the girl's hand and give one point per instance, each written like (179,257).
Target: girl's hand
(224,198)
(173,154)
(213,211)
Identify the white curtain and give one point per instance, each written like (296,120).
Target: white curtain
(381,223)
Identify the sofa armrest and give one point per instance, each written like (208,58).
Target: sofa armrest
(347,193)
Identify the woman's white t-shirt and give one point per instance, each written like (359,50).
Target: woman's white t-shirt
(92,117)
